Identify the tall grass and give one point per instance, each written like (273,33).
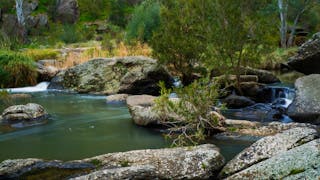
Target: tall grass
(41,54)
(16,70)
(121,50)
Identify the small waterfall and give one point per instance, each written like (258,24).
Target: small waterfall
(38,88)
(282,95)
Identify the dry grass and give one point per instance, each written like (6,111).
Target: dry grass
(74,58)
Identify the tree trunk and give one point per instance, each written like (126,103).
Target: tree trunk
(283,7)
(21,20)
(293,28)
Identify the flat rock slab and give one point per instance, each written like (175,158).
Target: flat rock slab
(198,162)
(300,162)
(268,147)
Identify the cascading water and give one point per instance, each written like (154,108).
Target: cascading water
(272,110)
(38,88)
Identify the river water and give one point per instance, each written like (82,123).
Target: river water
(83,126)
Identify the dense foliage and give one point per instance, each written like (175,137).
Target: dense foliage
(16,70)
(145,20)
(181,41)
(92,10)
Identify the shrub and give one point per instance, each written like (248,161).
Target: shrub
(16,70)
(40,54)
(193,119)
(7,6)
(73,33)
(145,19)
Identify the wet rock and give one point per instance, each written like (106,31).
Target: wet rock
(129,75)
(302,161)
(14,169)
(306,105)
(141,110)
(117,98)
(67,11)
(307,58)
(11,168)
(268,147)
(263,75)
(234,101)
(256,91)
(197,162)
(24,114)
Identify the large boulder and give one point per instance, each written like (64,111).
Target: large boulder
(141,110)
(302,162)
(268,147)
(129,75)
(307,59)
(198,162)
(24,115)
(67,11)
(306,105)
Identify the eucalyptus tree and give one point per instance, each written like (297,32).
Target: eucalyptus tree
(291,11)
(21,20)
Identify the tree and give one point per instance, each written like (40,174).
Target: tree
(145,20)
(240,34)
(291,11)
(180,40)
(21,20)
(283,8)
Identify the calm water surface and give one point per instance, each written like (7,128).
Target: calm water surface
(83,126)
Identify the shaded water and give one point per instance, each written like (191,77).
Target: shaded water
(80,126)
(83,126)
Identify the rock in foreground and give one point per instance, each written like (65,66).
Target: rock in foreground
(307,60)
(268,147)
(302,162)
(129,75)
(306,105)
(198,162)
(24,115)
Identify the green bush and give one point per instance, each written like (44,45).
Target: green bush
(73,33)
(120,12)
(94,9)
(16,70)
(192,113)
(145,19)
(7,6)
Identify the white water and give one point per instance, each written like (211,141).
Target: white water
(38,88)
